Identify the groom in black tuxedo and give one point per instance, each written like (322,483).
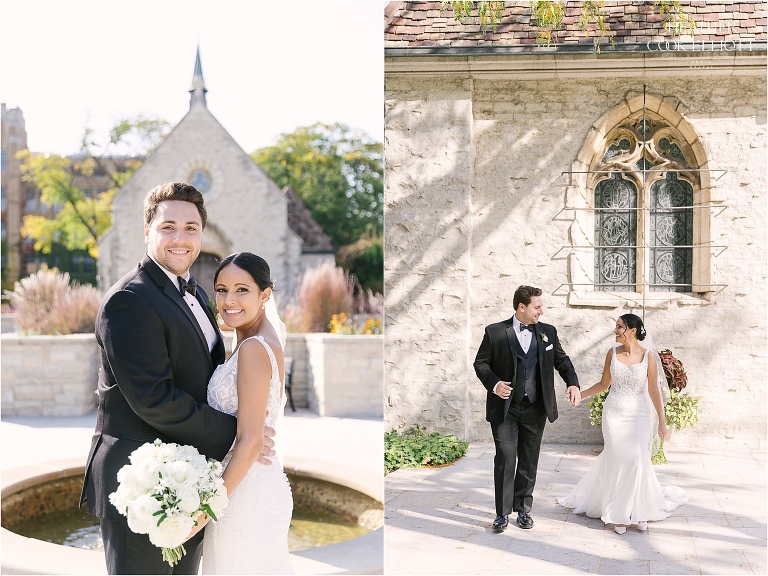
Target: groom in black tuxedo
(159,347)
(516,363)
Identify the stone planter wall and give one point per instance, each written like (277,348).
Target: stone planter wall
(8,323)
(346,376)
(49,375)
(57,375)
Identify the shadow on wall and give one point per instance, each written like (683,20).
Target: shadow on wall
(453,260)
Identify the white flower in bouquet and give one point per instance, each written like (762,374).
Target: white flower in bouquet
(148,451)
(141,515)
(168,452)
(122,498)
(171,532)
(146,471)
(188,499)
(134,485)
(179,473)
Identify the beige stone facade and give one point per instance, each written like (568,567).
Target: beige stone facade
(483,155)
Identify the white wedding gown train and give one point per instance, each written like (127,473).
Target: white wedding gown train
(252,535)
(620,486)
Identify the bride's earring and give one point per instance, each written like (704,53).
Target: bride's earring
(263,305)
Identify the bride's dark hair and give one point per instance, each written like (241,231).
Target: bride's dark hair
(255,265)
(634,321)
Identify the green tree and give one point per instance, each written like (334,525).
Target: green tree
(337,173)
(365,259)
(84,217)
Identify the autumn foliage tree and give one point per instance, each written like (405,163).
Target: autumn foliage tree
(82,218)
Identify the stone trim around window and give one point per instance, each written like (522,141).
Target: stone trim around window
(613,146)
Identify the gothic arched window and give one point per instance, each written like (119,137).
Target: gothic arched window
(643,209)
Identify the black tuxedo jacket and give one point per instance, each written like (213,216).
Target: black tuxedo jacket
(153,380)
(496,361)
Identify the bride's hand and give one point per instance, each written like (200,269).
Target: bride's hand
(202,520)
(663,430)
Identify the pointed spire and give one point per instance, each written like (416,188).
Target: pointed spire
(198,89)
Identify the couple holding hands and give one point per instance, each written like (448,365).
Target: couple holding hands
(516,363)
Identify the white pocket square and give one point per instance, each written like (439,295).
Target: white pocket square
(549,347)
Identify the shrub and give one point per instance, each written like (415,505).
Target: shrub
(682,410)
(322,292)
(413,449)
(365,259)
(46,303)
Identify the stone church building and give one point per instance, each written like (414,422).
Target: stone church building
(633,180)
(246,210)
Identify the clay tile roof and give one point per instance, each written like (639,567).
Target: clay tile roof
(632,22)
(301,221)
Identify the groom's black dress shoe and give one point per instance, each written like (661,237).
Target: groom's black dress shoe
(524,521)
(500,524)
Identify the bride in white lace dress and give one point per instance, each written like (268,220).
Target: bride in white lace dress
(252,535)
(620,486)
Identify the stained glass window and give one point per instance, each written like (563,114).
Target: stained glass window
(671,255)
(201,180)
(615,233)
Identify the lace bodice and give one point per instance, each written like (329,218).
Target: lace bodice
(222,388)
(629,380)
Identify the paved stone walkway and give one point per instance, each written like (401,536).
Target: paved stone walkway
(437,521)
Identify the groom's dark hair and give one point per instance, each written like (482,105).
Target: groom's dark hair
(173,191)
(523,295)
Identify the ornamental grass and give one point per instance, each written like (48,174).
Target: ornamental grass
(47,303)
(322,292)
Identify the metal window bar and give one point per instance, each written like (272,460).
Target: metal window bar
(646,206)
(720,286)
(591,247)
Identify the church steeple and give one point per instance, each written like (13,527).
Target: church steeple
(198,89)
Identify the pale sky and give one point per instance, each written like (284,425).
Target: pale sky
(269,66)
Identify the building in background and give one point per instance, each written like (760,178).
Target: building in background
(247,211)
(633,180)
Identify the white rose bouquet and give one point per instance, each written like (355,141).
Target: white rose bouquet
(164,489)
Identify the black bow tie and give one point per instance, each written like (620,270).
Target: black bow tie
(187,285)
(528,327)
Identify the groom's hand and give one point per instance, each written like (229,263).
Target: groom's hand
(267,452)
(574,395)
(503,389)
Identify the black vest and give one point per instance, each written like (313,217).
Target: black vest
(527,379)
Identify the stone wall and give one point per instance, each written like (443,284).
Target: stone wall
(475,199)
(49,375)
(345,374)
(58,375)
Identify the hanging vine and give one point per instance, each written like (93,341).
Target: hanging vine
(595,10)
(675,17)
(549,15)
(488,12)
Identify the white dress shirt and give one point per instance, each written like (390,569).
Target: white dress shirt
(194,305)
(523,336)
